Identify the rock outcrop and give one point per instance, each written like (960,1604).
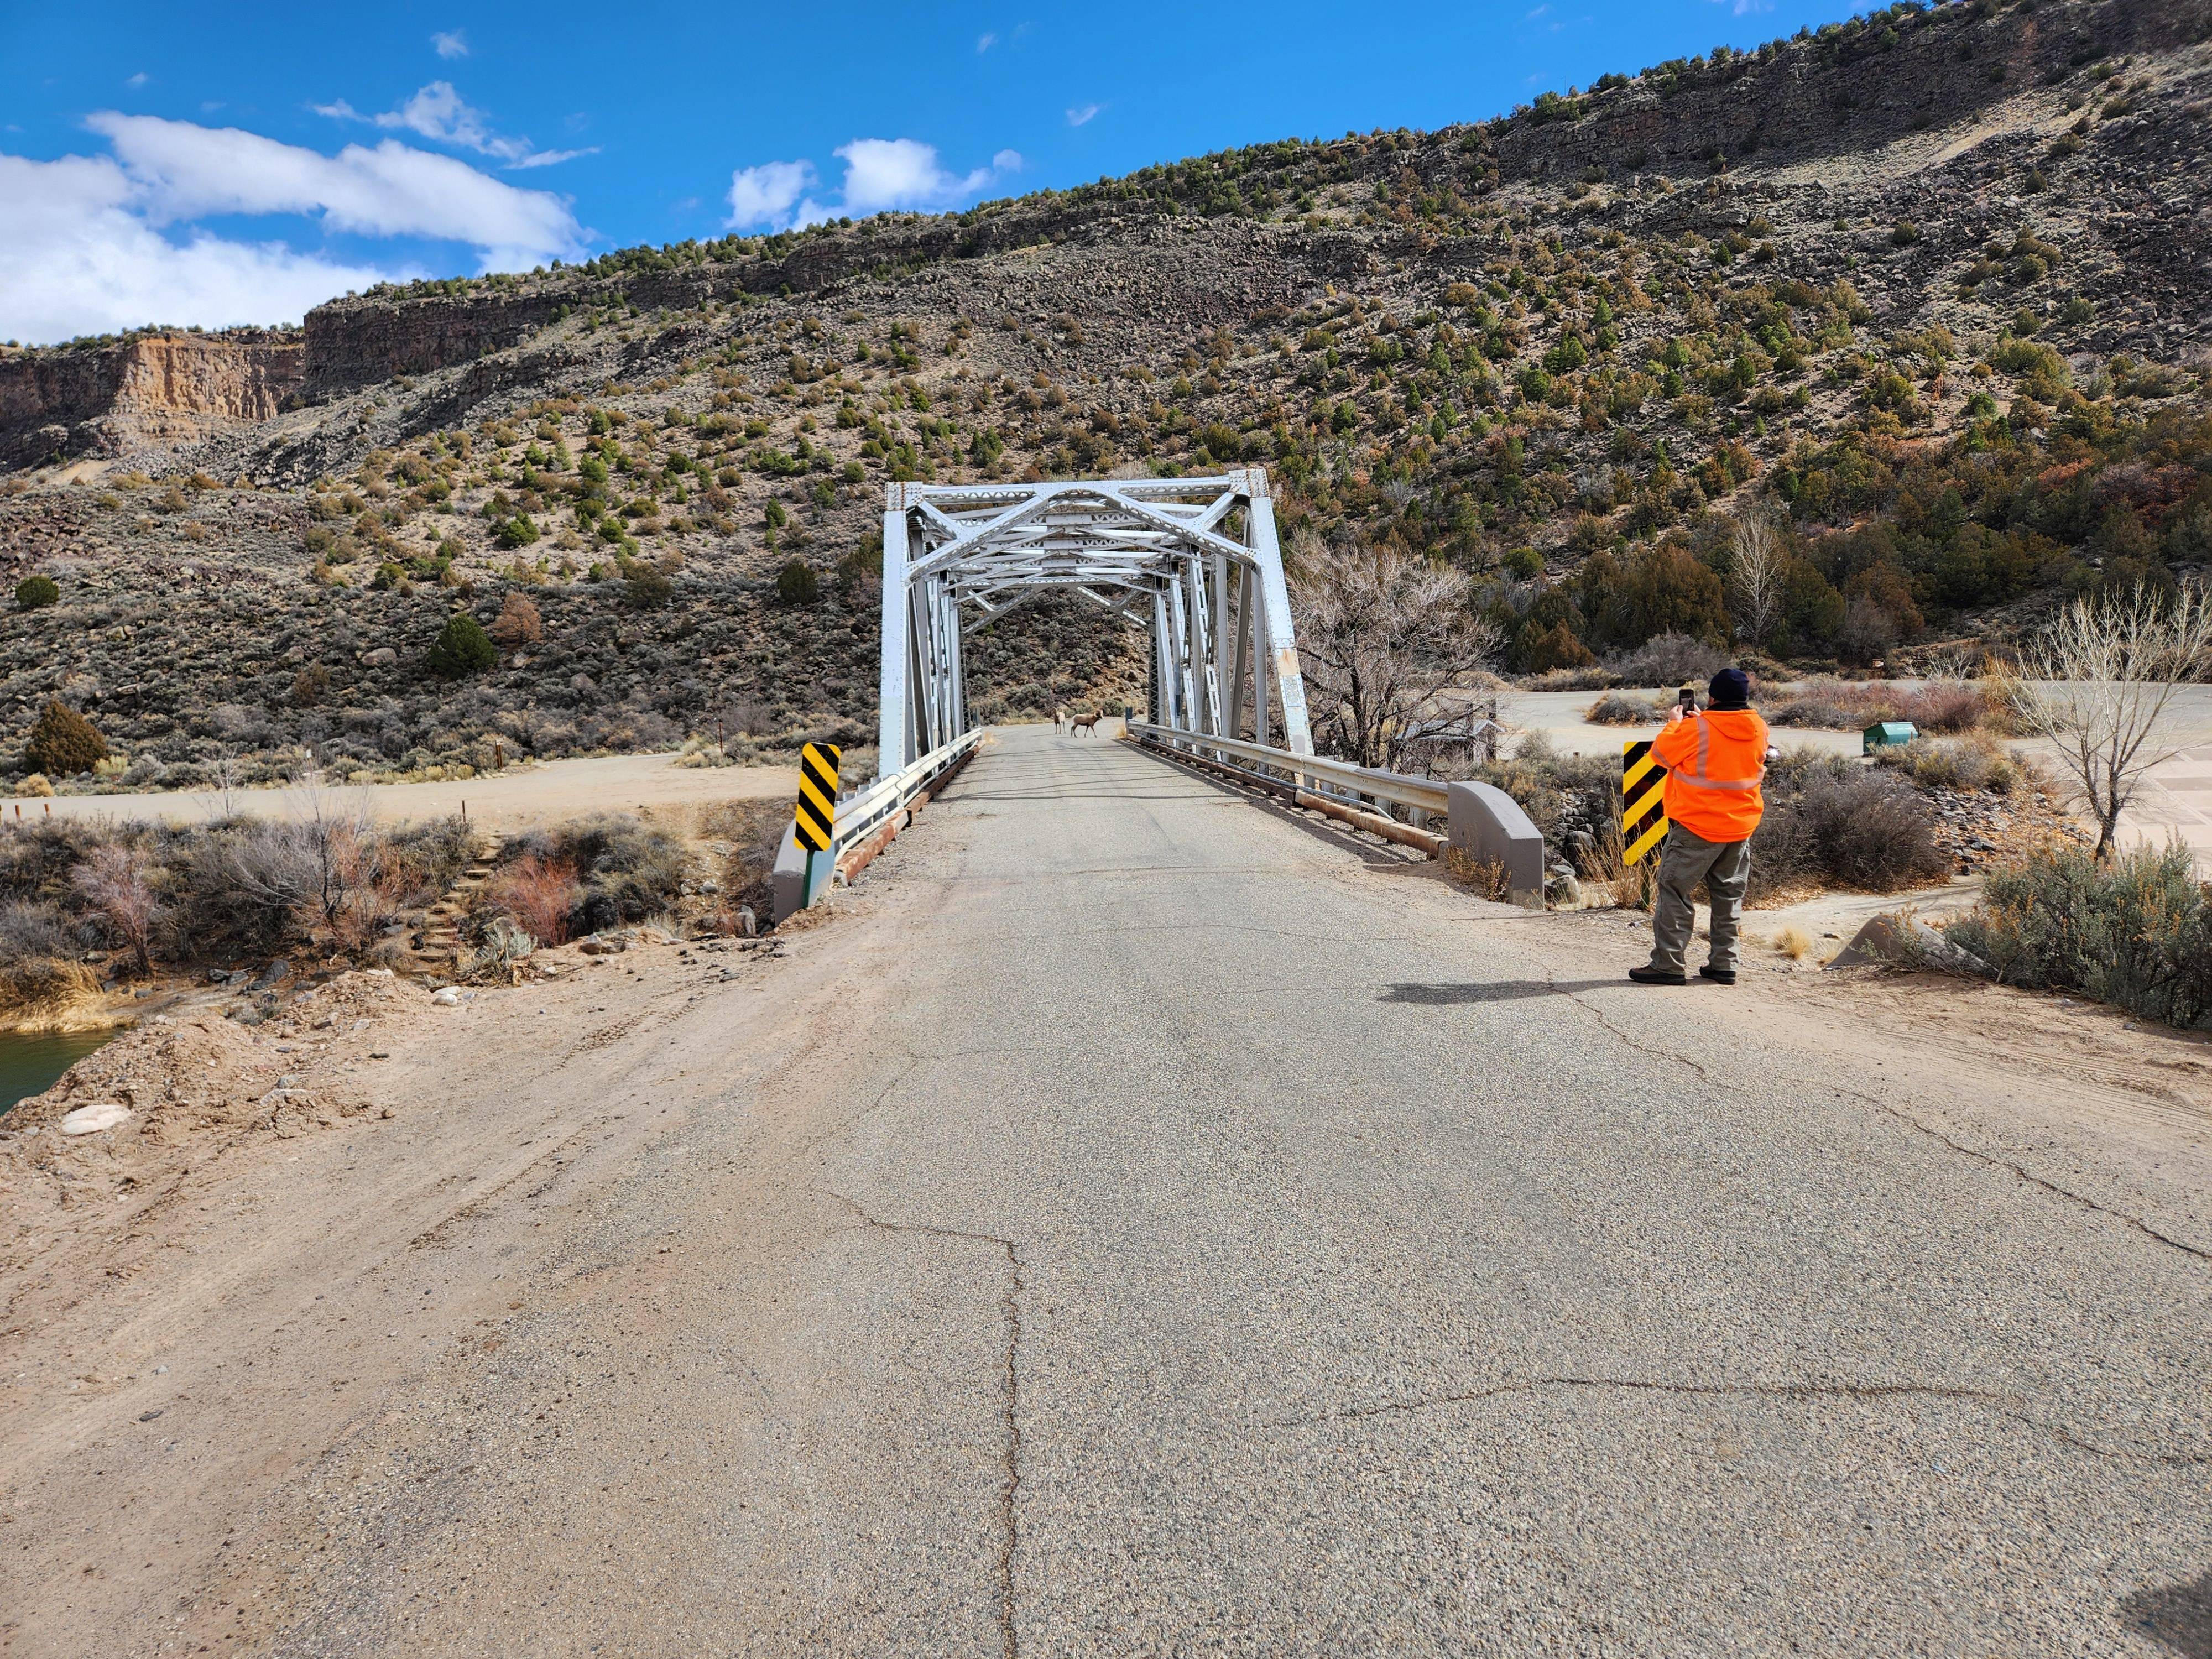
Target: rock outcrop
(155,390)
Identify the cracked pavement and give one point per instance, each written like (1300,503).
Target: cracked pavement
(1049,1262)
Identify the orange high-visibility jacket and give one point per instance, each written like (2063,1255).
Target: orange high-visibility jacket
(1714,763)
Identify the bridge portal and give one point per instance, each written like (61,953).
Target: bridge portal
(1192,561)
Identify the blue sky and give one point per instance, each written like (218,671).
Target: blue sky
(217,164)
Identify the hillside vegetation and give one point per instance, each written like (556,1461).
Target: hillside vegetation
(1928,289)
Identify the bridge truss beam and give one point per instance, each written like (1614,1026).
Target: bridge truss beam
(1194,561)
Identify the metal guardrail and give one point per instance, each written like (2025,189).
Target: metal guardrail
(860,815)
(1314,773)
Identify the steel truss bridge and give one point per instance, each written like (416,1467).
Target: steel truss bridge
(1192,561)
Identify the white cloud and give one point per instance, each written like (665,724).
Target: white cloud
(188,171)
(881,175)
(77,257)
(137,80)
(764,194)
(1076,117)
(444,117)
(986,43)
(450,43)
(89,243)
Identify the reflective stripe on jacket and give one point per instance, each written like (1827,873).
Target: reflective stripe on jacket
(1715,761)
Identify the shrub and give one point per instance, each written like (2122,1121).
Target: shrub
(37,787)
(1848,705)
(117,887)
(1623,708)
(64,743)
(624,871)
(423,860)
(1556,648)
(326,868)
(1831,823)
(518,623)
(645,588)
(36,592)
(540,896)
(517,532)
(1977,760)
(795,584)
(1669,659)
(2135,932)
(461,649)
(33,930)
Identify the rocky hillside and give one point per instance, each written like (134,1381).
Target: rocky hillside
(1933,287)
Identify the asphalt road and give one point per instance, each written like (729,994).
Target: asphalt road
(1160,1227)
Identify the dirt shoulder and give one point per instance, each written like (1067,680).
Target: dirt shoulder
(291,1223)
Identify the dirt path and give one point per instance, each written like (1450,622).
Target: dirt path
(507,800)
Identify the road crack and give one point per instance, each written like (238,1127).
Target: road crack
(1010,1462)
(2009,1406)
(2019,1171)
(1552,981)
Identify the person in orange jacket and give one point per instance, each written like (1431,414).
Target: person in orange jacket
(1715,761)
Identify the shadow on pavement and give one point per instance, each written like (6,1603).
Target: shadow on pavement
(1504,990)
(2177,1616)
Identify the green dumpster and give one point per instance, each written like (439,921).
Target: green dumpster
(1888,734)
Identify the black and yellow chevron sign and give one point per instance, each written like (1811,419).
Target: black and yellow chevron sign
(1643,803)
(818,794)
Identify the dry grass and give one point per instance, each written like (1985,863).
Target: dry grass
(46,995)
(1485,878)
(1847,705)
(1795,943)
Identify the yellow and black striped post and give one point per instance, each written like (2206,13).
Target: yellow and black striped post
(817,807)
(1642,801)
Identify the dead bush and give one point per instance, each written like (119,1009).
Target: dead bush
(626,871)
(539,895)
(117,888)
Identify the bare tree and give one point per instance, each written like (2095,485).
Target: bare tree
(115,883)
(1382,636)
(226,774)
(2097,683)
(324,865)
(1755,580)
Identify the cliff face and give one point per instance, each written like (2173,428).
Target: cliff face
(43,399)
(160,390)
(1828,95)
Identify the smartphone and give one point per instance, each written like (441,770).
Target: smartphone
(1687,699)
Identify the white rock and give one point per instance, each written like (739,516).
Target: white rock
(445,997)
(91,1120)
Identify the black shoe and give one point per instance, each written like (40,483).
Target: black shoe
(1654,976)
(1718,976)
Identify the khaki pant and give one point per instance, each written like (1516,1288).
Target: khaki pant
(1724,867)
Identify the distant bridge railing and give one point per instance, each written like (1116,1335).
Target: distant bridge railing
(1479,818)
(1355,783)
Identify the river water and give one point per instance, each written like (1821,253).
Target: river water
(29,1065)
